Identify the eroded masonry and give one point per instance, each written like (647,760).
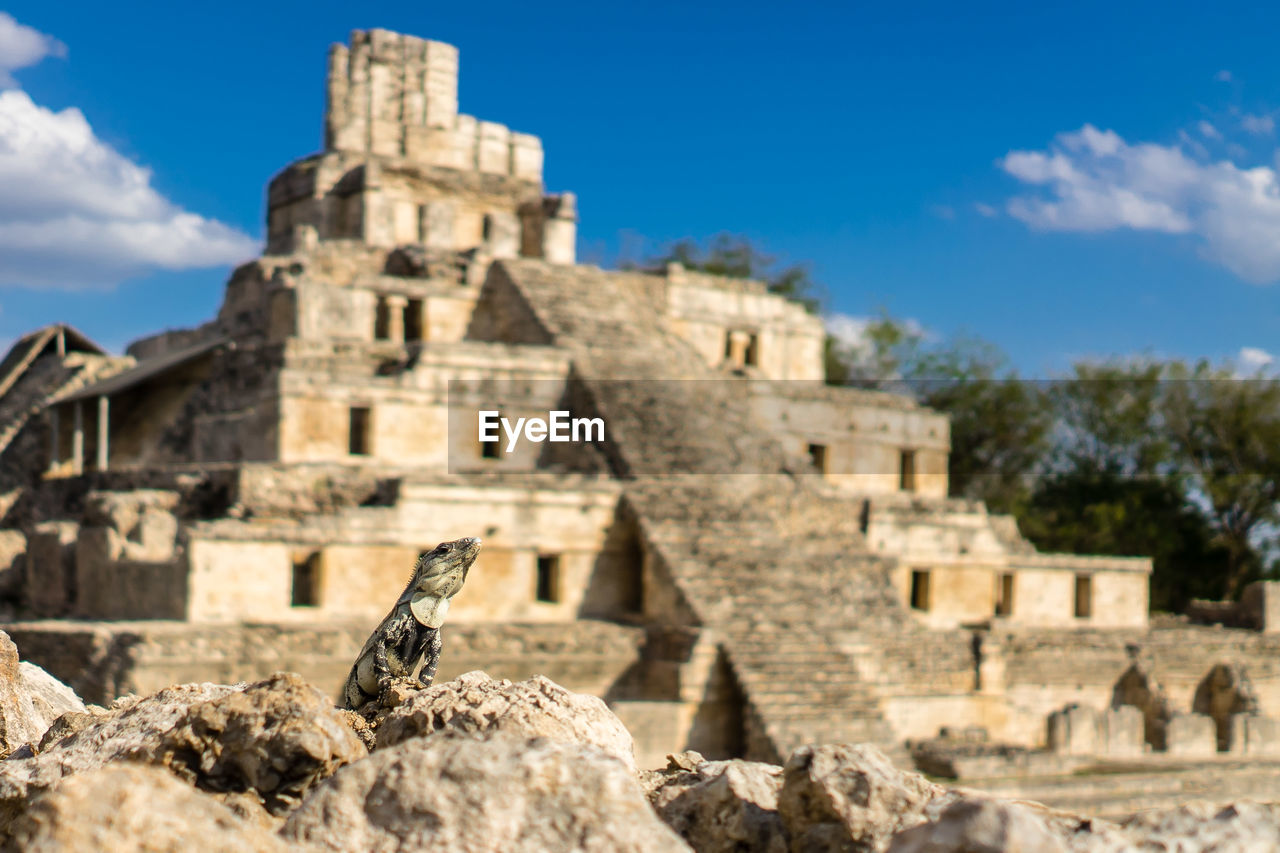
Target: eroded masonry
(751,559)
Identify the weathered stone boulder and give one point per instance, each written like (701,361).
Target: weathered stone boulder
(87,742)
(454,792)
(129,807)
(30,699)
(537,707)
(851,797)
(1246,827)
(274,739)
(719,806)
(980,826)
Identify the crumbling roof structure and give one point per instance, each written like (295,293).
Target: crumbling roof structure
(50,361)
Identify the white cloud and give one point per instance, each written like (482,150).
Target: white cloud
(1207,130)
(1223,76)
(1253,360)
(1193,145)
(22,47)
(850,332)
(74,212)
(1261,125)
(1096,181)
(985,210)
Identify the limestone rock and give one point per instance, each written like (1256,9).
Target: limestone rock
(30,699)
(49,698)
(537,707)
(980,826)
(129,807)
(720,806)
(851,797)
(1246,827)
(452,792)
(276,738)
(360,728)
(99,737)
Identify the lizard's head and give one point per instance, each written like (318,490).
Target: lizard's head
(438,577)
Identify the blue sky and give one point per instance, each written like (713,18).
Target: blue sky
(1065,180)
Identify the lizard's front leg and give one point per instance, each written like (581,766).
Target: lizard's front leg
(430,658)
(381,666)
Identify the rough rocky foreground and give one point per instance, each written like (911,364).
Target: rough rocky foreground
(476,764)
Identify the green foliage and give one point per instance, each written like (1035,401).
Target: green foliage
(1000,424)
(874,356)
(1092,511)
(1134,457)
(1109,418)
(1225,434)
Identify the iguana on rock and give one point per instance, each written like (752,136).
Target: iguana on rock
(411,631)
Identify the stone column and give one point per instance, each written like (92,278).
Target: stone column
(77,440)
(54,444)
(395,317)
(560,228)
(737,349)
(104,430)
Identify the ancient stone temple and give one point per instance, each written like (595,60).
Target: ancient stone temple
(745,559)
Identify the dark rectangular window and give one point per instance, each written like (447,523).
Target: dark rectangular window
(907,471)
(423,223)
(548,588)
(413,317)
(305,589)
(358,434)
(1004,594)
(490,449)
(818,456)
(920,589)
(382,320)
(1084,596)
(752,356)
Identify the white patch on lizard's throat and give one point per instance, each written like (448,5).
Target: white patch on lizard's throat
(429,609)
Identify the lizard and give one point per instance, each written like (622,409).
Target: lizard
(411,631)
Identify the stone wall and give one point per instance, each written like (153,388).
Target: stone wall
(396,95)
(1047,670)
(104,660)
(363,555)
(780,340)
(417,411)
(1258,609)
(864,436)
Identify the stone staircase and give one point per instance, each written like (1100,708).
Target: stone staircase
(807,692)
(775,568)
